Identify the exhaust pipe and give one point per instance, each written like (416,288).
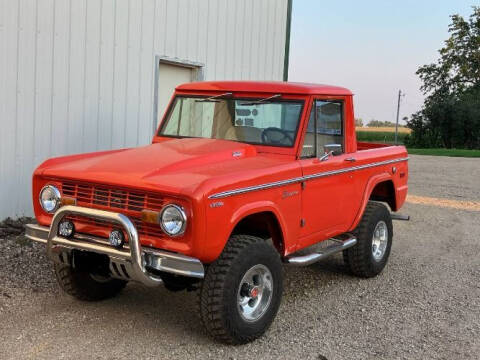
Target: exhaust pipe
(400,217)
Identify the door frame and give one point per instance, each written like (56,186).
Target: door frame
(310,105)
(198,74)
(307,239)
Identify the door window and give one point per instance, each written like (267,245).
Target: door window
(328,129)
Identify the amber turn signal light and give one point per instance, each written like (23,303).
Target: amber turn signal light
(152,217)
(68,201)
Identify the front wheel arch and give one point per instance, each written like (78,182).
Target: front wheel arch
(263,224)
(278,225)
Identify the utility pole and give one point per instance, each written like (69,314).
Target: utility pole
(398,115)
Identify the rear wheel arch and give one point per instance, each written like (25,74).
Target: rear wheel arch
(380,182)
(384,191)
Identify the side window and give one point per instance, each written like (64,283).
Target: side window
(329,127)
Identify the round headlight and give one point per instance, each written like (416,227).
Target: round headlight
(173,220)
(50,198)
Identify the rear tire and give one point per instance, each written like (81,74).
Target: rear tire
(374,241)
(242,290)
(85,286)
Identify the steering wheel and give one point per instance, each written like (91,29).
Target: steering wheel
(268,136)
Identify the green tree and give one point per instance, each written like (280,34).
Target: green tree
(450,115)
(379,123)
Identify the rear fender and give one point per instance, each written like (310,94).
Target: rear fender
(372,182)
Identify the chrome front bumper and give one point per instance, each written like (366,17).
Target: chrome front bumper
(132,262)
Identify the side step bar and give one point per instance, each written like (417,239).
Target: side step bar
(341,244)
(400,217)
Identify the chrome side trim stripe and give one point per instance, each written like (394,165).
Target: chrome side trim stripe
(227,193)
(353,168)
(247,189)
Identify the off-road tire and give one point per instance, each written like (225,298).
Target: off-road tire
(218,292)
(81,285)
(359,258)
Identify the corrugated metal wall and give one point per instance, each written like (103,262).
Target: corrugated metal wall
(78,75)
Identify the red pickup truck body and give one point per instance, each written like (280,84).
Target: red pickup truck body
(234,182)
(274,182)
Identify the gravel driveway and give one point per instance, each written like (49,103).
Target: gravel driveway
(425,305)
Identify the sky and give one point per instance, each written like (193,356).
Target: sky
(372,47)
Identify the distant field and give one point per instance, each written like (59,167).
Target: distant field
(446,152)
(384,129)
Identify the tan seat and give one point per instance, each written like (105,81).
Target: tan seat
(244,133)
(224,127)
(230,134)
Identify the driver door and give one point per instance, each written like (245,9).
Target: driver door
(326,191)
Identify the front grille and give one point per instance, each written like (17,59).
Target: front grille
(100,196)
(114,199)
(102,228)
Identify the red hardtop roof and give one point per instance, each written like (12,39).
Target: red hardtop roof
(265,86)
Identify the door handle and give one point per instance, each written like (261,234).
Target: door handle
(351,159)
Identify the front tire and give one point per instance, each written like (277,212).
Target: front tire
(85,286)
(242,290)
(374,240)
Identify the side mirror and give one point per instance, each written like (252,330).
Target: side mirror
(331,149)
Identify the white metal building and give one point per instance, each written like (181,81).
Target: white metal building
(85,75)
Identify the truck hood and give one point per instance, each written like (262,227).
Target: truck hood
(174,166)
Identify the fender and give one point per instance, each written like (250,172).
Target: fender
(400,196)
(258,207)
(372,182)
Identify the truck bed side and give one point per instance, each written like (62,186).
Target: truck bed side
(382,175)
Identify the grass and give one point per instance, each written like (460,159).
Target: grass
(446,152)
(380,136)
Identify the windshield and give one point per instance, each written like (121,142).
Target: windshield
(263,121)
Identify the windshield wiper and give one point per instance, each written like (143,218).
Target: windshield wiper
(261,101)
(213,98)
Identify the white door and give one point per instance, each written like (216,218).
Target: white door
(169,76)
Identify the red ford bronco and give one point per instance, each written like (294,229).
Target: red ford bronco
(239,177)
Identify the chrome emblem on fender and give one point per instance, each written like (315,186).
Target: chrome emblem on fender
(286,194)
(216,204)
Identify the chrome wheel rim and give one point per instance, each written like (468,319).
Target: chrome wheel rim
(255,293)
(379,240)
